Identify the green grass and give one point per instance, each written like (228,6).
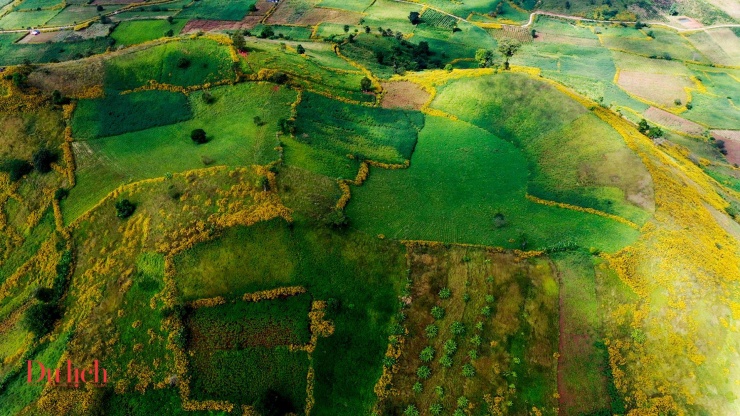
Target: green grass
(140,31)
(389,14)
(34,4)
(217,9)
(330,264)
(354,6)
(581,328)
(23,20)
(249,339)
(378,134)
(244,377)
(235,140)
(666,43)
(153,401)
(239,324)
(552,130)
(208,62)
(117,114)
(319,70)
(16,54)
(72,15)
(18,393)
(475,175)
(715,112)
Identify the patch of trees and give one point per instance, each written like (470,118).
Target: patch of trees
(414,18)
(41,317)
(652,132)
(198,136)
(18,168)
(125,209)
(403,55)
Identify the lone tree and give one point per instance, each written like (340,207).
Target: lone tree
(484,58)
(125,208)
(300,49)
(414,18)
(238,40)
(198,136)
(43,159)
(508,47)
(40,318)
(366,84)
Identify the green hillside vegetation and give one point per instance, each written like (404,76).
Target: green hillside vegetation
(584,174)
(476,176)
(140,31)
(234,139)
(117,114)
(184,63)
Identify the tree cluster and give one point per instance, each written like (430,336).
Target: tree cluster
(18,168)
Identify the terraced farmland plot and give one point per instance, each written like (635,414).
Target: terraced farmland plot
(234,140)
(181,63)
(476,175)
(217,9)
(337,130)
(436,19)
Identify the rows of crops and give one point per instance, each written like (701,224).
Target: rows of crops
(438,19)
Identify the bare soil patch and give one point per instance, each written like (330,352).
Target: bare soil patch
(42,37)
(673,122)
(732,143)
(403,94)
(657,88)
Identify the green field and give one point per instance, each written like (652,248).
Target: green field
(217,9)
(476,175)
(249,339)
(551,129)
(140,31)
(378,134)
(355,6)
(234,139)
(207,61)
(72,15)
(117,114)
(16,53)
(23,20)
(337,265)
(34,4)
(319,69)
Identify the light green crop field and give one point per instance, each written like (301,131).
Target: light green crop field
(34,4)
(666,44)
(140,31)
(217,9)
(73,14)
(207,61)
(476,175)
(389,14)
(234,139)
(23,20)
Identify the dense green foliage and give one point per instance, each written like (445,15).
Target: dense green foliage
(116,113)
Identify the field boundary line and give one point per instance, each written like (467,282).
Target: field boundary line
(582,209)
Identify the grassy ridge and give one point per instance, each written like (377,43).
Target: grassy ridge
(552,130)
